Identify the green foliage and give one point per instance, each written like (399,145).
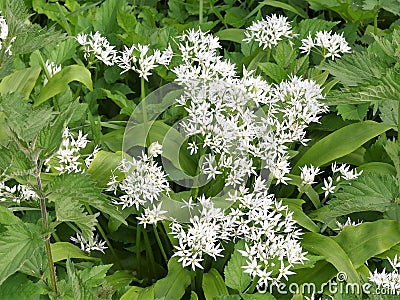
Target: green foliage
(213,285)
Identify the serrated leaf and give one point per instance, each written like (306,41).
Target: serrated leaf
(355,112)
(274,71)
(369,192)
(22,119)
(14,163)
(7,217)
(21,82)
(80,189)
(79,289)
(367,240)
(174,284)
(393,150)
(235,278)
(311,26)
(355,69)
(60,81)
(17,245)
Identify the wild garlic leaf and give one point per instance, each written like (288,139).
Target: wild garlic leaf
(369,192)
(19,243)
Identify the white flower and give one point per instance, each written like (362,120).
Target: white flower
(88,246)
(330,45)
(328,187)
(52,69)
(152,215)
(308,174)
(90,158)
(348,222)
(269,31)
(98,46)
(155,149)
(3,28)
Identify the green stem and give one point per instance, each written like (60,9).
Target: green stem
(104,236)
(253,285)
(45,227)
(268,54)
(160,245)
(149,252)
(144,108)
(138,258)
(201,3)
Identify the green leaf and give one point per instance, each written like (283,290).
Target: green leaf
(22,119)
(80,189)
(138,293)
(60,81)
(356,112)
(355,69)
(258,296)
(174,284)
(63,250)
(213,285)
(340,143)
(333,252)
(369,192)
(235,278)
(102,166)
(106,16)
(392,148)
(231,34)
(295,205)
(276,72)
(367,240)
(311,26)
(7,217)
(79,289)
(20,287)
(21,82)
(279,4)
(18,244)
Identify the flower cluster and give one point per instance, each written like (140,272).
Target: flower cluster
(16,193)
(96,45)
(68,159)
(387,280)
(267,227)
(269,31)
(327,43)
(344,172)
(4,35)
(240,119)
(89,245)
(138,59)
(143,183)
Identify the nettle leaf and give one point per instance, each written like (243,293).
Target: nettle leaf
(79,289)
(235,278)
(80,189)
(311,26)
(22,119)
(369,192)
(14,162)
(355,69)
(355,112)
(18,244)
(392,148)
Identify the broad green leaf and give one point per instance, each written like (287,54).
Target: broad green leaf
(121,279)
(258,296)
(235,278)
(21,82)
(279,4)
(356,112)
(231,34)
(333,252)
(378,167)
(102,166)
(295,205)
(276,72)
(106,16)
(132,294)
(367,240)
(311,26)
(60,81)
(17,245)
(20,287)
(63,250)
(340,143)
(174,284)
(213,285)
(7,217)
(369,192)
